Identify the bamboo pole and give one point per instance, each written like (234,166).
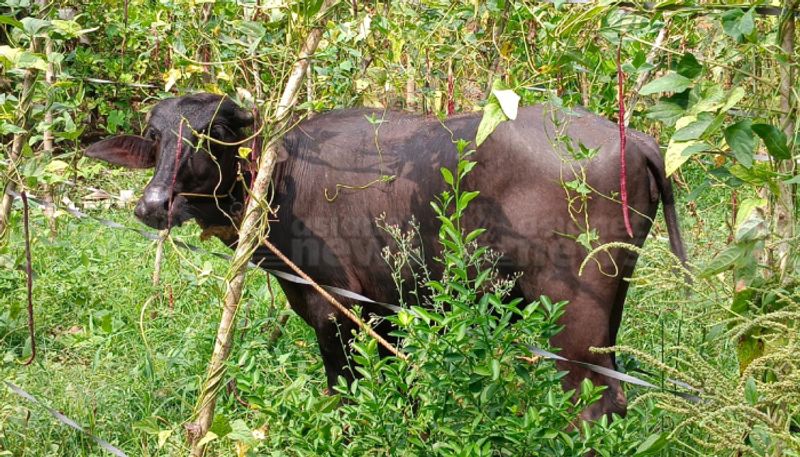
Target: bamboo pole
(249,235)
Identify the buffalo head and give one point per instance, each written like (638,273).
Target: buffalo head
(191,170)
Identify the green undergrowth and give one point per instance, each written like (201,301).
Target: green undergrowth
(105,361)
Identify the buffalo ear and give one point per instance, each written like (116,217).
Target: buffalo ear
(129,151)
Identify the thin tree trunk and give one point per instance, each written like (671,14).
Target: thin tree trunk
(784,214)
(203,53)
(249,235)
(645,75)
(411,87)
(497,34)
(22,120)
(47,136)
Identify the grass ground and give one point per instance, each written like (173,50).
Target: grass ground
(102,359)
(125,358)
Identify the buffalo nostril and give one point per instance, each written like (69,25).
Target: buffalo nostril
(156,199)
(141,210)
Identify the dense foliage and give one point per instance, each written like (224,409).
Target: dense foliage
(714,82)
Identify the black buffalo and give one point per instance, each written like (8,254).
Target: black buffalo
(522,170)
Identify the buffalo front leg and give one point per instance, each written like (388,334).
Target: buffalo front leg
(334,331)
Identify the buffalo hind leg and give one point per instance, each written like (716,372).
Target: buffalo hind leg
(586,323)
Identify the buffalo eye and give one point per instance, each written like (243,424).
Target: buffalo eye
(152,134)
(219,131)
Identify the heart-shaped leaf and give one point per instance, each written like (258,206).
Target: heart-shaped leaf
(672,82)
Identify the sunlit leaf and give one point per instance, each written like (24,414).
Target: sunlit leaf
(171,77)
(509,102)
(678,152)
(694,129)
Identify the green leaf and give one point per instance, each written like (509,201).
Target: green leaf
(467,197)
(481,370)
(209,437)
(760,173)
(672,82)
(746,207)
(694,129)
(738,24)
(724,260)
(221,426)
(312,7)
(742,142)
(31,60)
(747,23)
(147,425)
(751,229)
(8,20)
(241,432)
(792,180)
(666,112)
(741,300)
(748,349)
(34,26)
(679,152)
(447,175)
(652,445)
(751,391)
(710,99)
(492,117)
(689,66)
(6,128)
(774,140)
(509,102)
(495,369)
(734,96)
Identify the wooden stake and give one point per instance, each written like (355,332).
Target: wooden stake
(162,235)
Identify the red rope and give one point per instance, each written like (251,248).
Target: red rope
(29,273)
(451,99)
(623,186)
